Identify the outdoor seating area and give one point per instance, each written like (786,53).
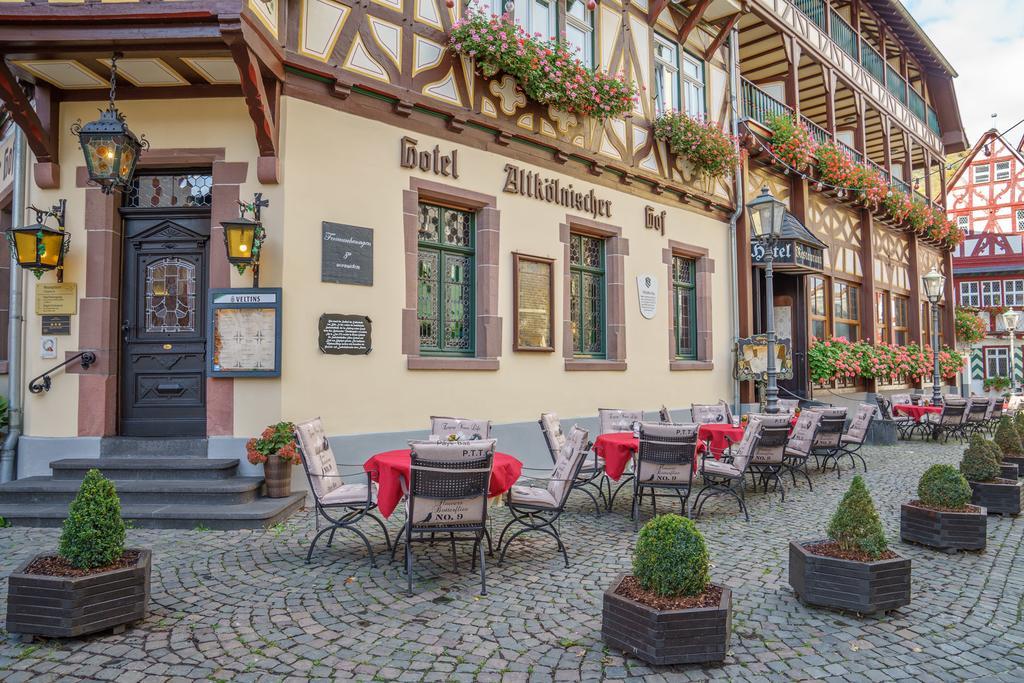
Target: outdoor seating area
(951,417)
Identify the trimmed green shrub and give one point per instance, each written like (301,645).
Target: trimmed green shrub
(1018,422)
(93,533)
(671,558)
(855,526)
(981,460)
(942,486)
(1008,437)
(4,523)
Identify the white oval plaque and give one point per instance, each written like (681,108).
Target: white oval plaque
(647,292)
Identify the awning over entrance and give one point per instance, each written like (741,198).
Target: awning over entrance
(796,251)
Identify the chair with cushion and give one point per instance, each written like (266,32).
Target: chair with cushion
(341,505)
(905,425)
(788,405)
(664,461)
(592,470)
(664,415)
(827,441)
(900,399)
(447,494)
(704,413)
(618,421)
(976,419)
(801,444)
(951,421)
(459,428)
(853,440)
(727,476)
(768,459)
(537,508)
(996,414)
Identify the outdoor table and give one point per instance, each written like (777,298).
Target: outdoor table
(719,435)
(916,412)
(616,449)
(389,468)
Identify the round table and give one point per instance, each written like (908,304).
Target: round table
(719,435)
(390,467)
(916,412)
(616,449)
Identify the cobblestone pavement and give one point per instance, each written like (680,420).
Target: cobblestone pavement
(243,606)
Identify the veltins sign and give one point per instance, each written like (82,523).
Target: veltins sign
(346,254)
(647,292)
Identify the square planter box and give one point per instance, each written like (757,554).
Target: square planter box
(1017,460)
(1002,499)
(683,636)
(1010,470)
(67,607)
(862,587)
(943,530)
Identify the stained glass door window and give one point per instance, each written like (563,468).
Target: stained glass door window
(587,295)
(170,296)
(446,287)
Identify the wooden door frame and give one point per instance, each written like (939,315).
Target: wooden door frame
(100,306)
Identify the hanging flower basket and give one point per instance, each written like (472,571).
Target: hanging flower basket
(712,152)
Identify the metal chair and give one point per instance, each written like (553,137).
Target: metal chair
(722,477)
(767,461)
(538,509)
(995,415)
(905,425)
(463,429)
(830,433)
(788,405)
(900,399)
(590,472)
(976,419)
(853,440)
(447,494)
(331,495)
(664,415)
(664,461)
(717,413)
(951,421)
(800,444)
(617,421)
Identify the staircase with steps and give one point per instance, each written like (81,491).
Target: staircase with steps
(162,484)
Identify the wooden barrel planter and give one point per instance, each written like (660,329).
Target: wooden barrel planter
(998,497)
(944,530)
(277,474)
(861,587)
(68,607)
(659,637)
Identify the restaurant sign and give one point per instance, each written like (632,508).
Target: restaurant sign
(789,252)
(552,191)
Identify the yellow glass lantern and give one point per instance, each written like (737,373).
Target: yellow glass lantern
(243,237)
(38,247)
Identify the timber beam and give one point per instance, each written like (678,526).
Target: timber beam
(262,92)
(692,20)
(39,124)
(723,33)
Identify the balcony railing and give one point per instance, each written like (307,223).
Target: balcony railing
(880,169)
(850,151)
(760,106)
(844,35)
(900,185)
(820,135)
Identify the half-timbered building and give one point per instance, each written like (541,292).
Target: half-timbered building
(986,200)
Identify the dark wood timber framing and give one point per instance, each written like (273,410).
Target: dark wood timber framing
(723,33)
(39,123)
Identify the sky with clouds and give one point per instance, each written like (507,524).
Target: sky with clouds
(984,41)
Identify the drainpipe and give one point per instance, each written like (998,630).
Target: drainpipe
(16,318)
(734,78)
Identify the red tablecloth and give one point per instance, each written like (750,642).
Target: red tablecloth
(616,450)
(388,468)
(916,412)
(719,434)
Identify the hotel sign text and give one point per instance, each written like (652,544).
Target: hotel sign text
(532,184)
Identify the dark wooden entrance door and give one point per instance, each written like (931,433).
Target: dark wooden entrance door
(163,325)
(790,292)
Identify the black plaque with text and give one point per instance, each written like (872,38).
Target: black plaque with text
(56,324)
(347,254)
(344,334)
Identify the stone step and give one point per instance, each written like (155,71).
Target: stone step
(46,490)
(143,447)
(261,513)
(146,468)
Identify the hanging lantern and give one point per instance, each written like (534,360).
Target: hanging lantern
(243,237)
(111,149)
(38,247)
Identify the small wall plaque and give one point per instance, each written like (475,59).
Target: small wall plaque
(647,292)
(56,298)
(55,324)
(344,335)
(534,295)
(346,254)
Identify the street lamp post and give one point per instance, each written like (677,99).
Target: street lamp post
(933,282)
(766,214)
(1010,320)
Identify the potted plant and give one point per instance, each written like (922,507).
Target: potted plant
(668,611)
(93,583)
(981,467)
(277,451)
(1008,439)
(853,569)
(942,516)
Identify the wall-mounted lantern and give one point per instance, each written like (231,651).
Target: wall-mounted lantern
(38,247)
(243,237)
(111,150)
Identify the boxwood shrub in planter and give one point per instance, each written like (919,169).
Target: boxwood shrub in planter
(981,465)
(92,583)
(1007,437)
(853,570)
(668,611)
(942,516)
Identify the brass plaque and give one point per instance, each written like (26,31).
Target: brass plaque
(533,293)
(56,298)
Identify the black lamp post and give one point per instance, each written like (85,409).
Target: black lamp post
(38,247)
(933,282)
(243,237)
(111,149)
(766,214)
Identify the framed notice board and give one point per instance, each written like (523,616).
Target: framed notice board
(533,293)
(244,333)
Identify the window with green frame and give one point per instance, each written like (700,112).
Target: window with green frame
(446,290)
(587,295)
(684,290)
